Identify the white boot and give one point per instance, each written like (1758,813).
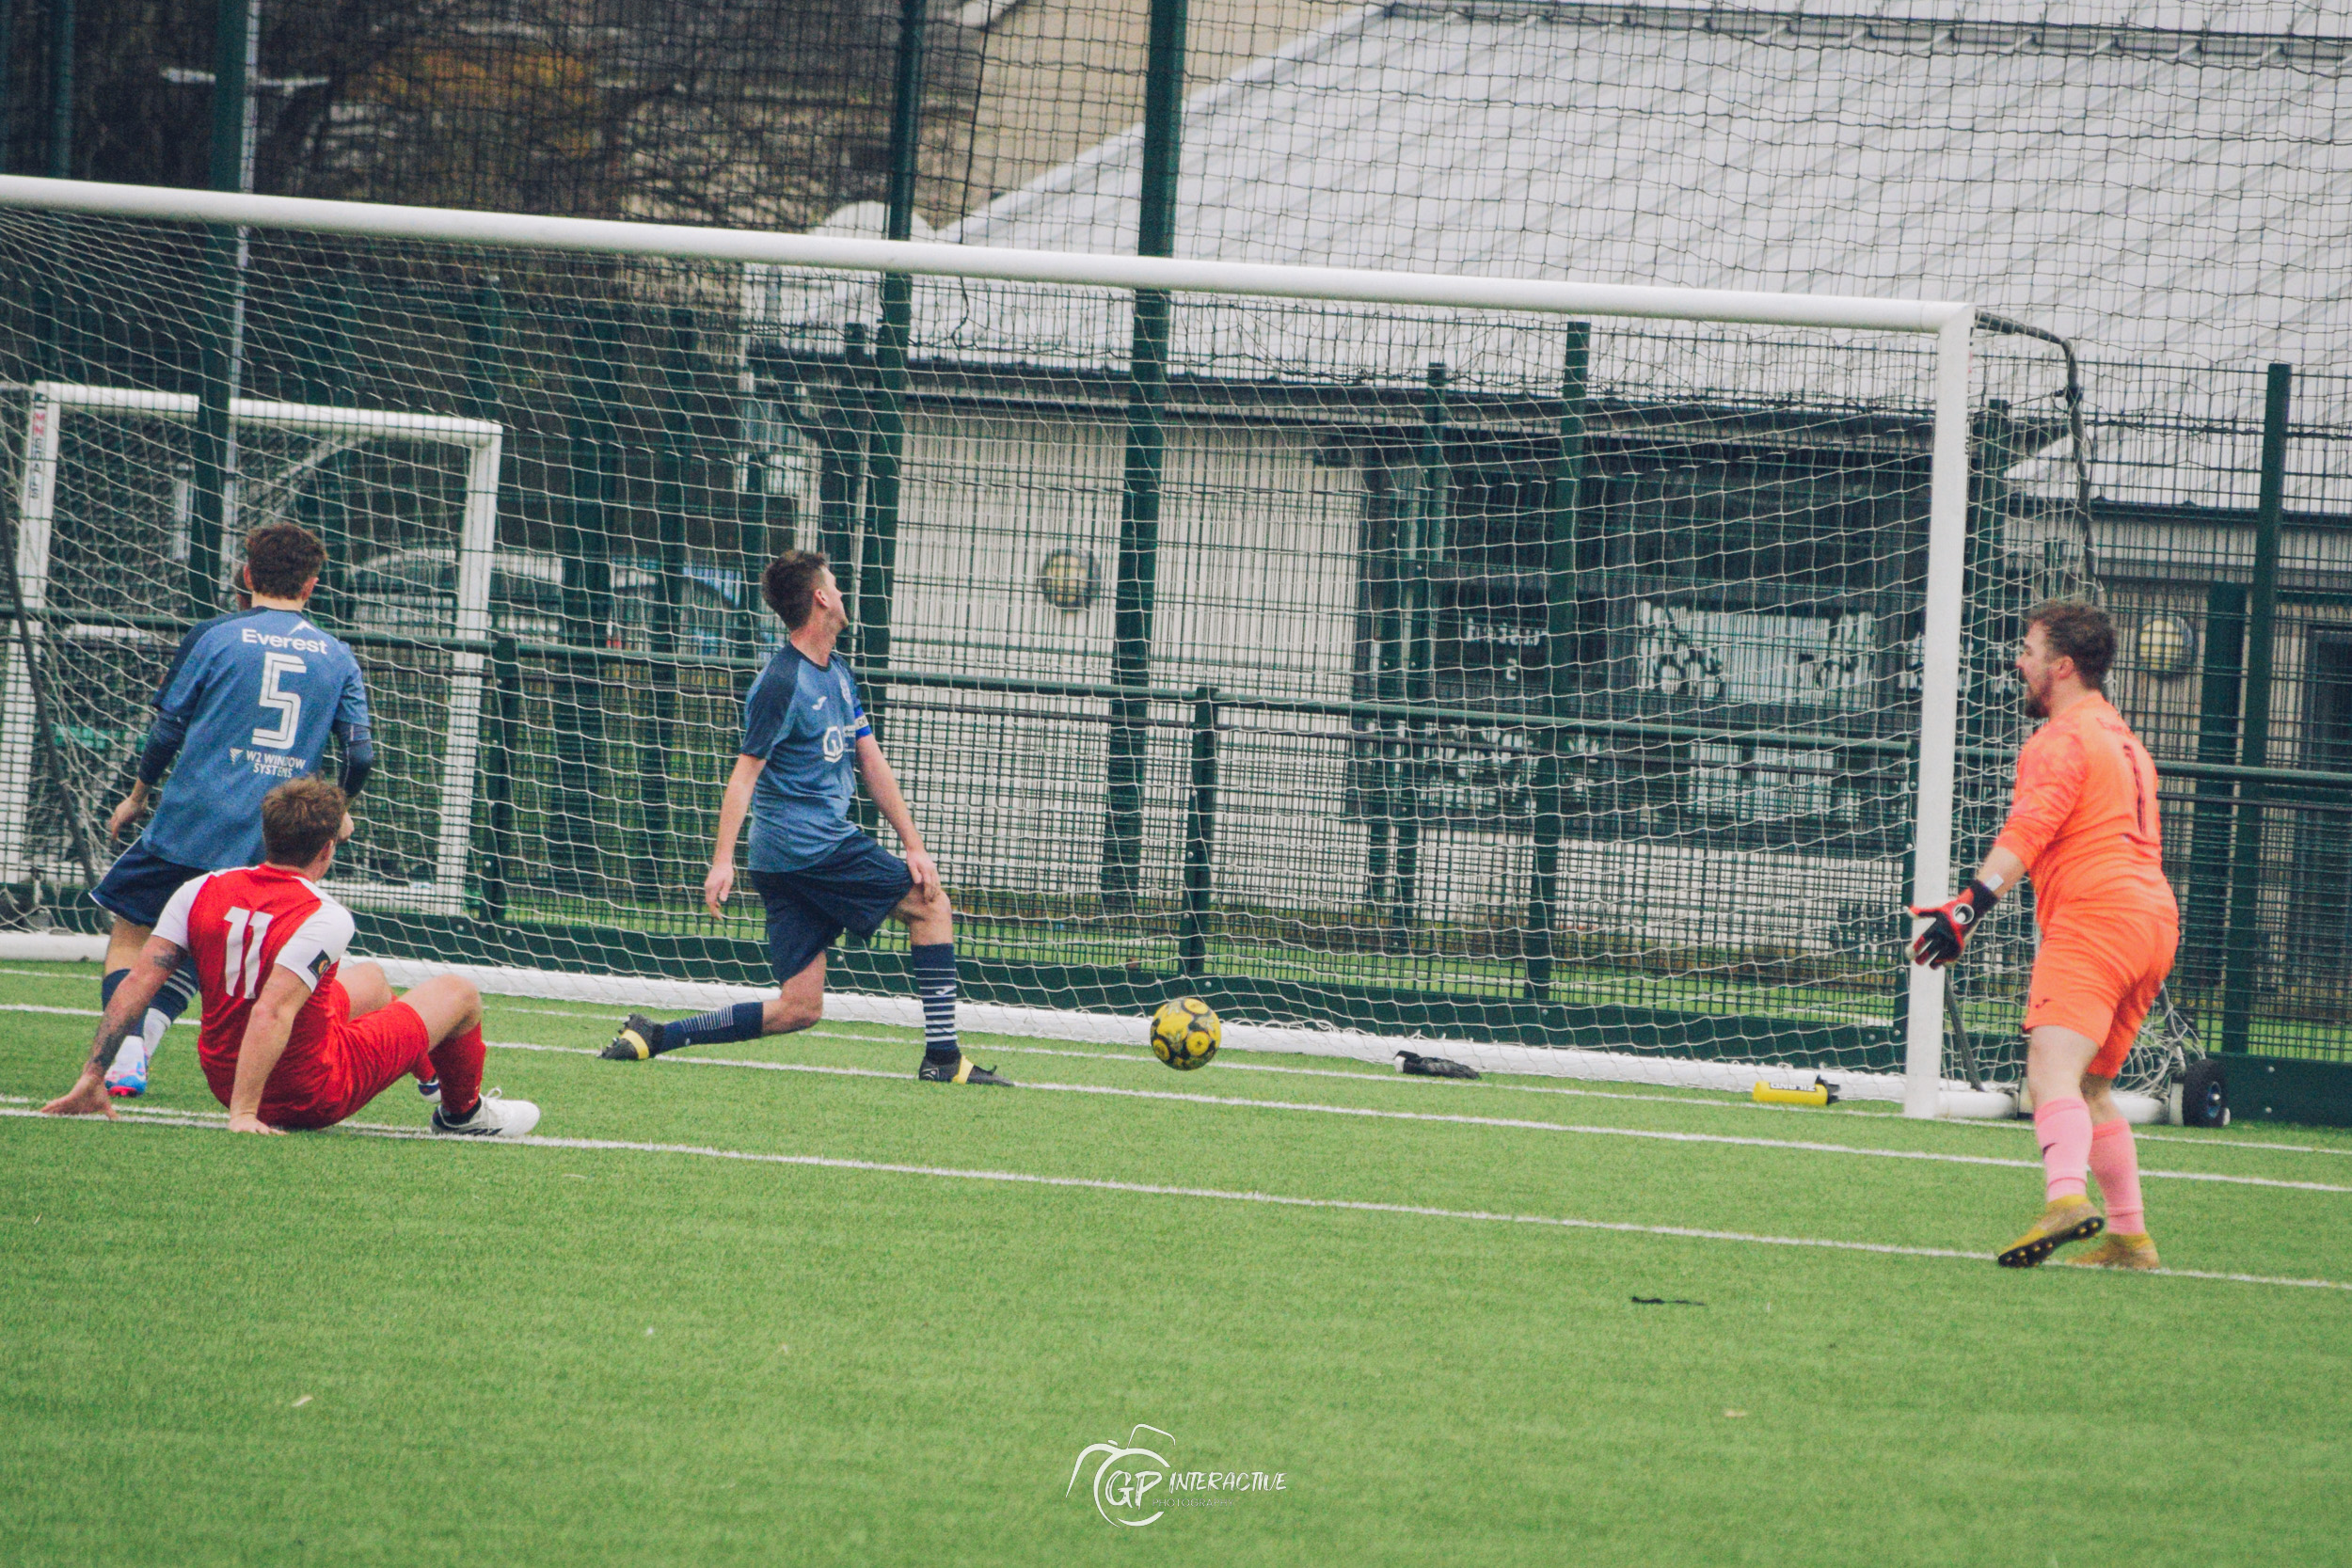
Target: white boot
(492,1118)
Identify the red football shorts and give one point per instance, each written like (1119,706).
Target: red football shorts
(2098,973)
(361,1060)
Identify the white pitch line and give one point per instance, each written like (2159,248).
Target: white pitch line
(2140,1134)
(1245,1102)
(75,1012)
(822,1162)
(1702,1098)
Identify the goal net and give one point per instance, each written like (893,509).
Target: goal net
(106,543)
(1579,676)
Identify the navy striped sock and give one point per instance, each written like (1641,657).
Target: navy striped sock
(178,992)
(934,966)
(738,1022)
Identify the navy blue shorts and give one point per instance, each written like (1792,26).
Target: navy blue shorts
(852,888)
(140,883)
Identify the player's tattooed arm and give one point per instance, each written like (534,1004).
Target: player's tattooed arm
(129,1004)
(148,971)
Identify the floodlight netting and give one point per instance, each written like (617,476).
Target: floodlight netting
(1462,673)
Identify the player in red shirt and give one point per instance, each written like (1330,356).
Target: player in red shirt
(2082,824)
(284,1043)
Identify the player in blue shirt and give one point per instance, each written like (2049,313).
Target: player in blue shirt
(805,742)
(248,704)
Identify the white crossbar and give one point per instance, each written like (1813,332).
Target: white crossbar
(531,232)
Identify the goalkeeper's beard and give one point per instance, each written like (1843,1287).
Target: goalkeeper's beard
(2035,700)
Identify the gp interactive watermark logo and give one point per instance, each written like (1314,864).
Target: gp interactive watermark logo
(1134,1486)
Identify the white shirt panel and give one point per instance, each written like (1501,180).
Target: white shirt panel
(172,925)
(318,944)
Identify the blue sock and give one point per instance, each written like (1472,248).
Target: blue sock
(934,965)
(178,992)
(738,1022)
(111,983)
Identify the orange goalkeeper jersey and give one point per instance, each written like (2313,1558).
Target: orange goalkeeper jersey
(2084,815)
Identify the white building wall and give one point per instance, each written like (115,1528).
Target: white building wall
(1255,590)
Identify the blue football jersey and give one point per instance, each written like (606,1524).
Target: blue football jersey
(249,701)
(803,720)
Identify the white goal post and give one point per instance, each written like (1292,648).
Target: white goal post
(1950,324)
(52,404)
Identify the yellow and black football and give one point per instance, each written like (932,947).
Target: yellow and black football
(1185,1033)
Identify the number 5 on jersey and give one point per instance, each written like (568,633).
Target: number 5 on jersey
(288,705)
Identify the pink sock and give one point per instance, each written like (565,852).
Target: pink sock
(2064,1127)
(2115,1160)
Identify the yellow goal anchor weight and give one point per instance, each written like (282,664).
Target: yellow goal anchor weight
(1819,1093)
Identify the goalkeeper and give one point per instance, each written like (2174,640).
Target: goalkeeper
(2082,824)
(805,740)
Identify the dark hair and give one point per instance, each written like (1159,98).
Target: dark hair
(282,557)
(299,818)
(790,585)
(2079,631)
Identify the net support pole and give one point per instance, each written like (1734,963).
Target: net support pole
(596,474)
(1559,669)
(656,848)
(2206,918)
(878,565)
(1138,572)
(35,508)
(8,45)
(237,42)
(505,737)
(1387,669)
(1200,837)
(61,50)
(1939,701)
(1144,467)
(1420,551)
(878,551)
(840,476)
(2244,957)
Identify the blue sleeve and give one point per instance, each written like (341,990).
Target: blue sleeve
(351,723)
(351,708)
(764,717)
(865,727)
(358,762)
(180,659)
(175,707)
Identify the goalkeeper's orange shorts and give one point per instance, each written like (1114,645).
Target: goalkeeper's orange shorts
(2098,973)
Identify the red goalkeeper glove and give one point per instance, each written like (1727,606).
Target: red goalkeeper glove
(1949,925)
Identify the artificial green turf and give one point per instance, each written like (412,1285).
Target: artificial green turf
(875,1368)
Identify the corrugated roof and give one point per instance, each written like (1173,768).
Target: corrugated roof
(2117,183)
(2171,184)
